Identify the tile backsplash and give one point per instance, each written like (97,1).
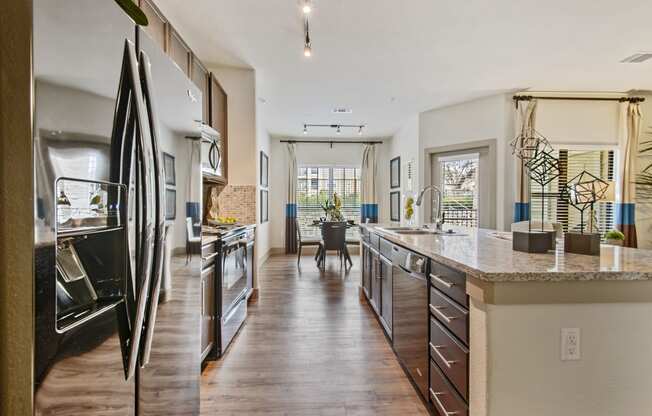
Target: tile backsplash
(238,201)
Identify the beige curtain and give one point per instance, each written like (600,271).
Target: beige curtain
(369,203)
(525,119)
(291,200)
(629,132)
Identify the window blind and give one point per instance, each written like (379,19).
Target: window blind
(572,162)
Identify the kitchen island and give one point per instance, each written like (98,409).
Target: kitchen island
(495,321)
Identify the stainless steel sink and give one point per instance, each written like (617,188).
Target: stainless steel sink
(417,231)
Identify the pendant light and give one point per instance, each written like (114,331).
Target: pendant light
(307,8)
(307,49)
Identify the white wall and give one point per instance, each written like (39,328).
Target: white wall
(247,137)
(404,144)
(481,119)
(263,231)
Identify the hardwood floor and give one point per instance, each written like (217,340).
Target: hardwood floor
(309,347)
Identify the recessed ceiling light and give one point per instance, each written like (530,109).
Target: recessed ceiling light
(307,8)
(637,58)
(342,110)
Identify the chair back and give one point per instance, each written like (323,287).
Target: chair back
(333,234)
(191,233)
(296,224)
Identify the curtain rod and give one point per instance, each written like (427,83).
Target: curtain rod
(619,99)
(331,142)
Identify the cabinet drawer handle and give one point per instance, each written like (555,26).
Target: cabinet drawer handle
(209,257)
(436,349)
(442,281)
(437,310)
(435,396)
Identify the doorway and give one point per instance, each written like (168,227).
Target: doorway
(466,175)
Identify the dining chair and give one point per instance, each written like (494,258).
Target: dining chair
(333,237)
(193,242)
(305,241)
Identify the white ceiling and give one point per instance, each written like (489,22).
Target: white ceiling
(388,59)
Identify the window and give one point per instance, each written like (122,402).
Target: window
(316,184)
(599,162)
(459,185)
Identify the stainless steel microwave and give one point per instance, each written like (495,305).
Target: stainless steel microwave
(211,153)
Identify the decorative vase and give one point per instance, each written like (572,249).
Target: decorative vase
(614,242)
(409,208)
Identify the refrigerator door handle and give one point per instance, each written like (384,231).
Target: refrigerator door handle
(145,231)
(159,227)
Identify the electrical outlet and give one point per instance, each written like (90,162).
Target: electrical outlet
(570,344)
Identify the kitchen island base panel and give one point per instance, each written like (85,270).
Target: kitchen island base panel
(516,366)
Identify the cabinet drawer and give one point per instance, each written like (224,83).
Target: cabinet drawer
(443,396)
(449,281)
(451,357)
(208,255)
(385,248)
(450,314)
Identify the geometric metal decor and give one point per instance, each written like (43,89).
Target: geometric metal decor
(527,146)
(583,191)
(543,169)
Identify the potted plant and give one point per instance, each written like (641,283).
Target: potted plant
(333,209)
(614,238)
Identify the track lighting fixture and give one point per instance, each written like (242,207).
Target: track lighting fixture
(337,127)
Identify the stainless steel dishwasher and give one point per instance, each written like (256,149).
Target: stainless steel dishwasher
(411,314)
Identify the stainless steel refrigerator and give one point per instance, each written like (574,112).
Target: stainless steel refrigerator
(117,191)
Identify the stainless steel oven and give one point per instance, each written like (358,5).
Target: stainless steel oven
(234,272)
(235,251)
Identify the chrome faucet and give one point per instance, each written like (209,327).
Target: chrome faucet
(436,192)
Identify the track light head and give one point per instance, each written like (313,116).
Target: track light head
(307,51)
(339,130)
(305,129)
(360,131)
(306,8)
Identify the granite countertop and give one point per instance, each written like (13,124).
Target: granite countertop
(484,255)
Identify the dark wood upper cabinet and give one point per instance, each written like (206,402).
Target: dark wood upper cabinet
(157,26)
(178,51)
(218,118)
(199,75)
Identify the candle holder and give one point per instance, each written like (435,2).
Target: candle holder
(582,192)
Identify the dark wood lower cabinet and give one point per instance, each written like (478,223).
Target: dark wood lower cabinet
(443,395)
(385,266)
(447,315)
(207,310)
